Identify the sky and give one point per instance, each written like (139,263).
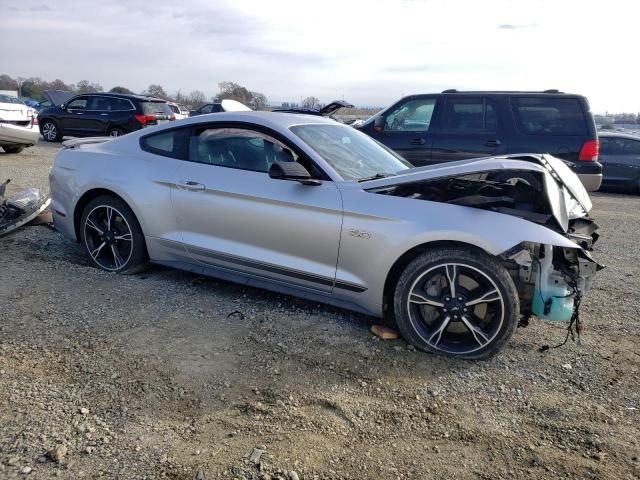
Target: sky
(371,52)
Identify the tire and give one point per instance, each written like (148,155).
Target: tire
(111,236)
(50,131)
(433,320)
(13,148)
(115,132)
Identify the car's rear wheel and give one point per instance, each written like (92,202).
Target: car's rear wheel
(111,236)
(13,148)
(457,302)
(50,131)
(115,132)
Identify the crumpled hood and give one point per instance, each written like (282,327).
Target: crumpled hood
(57,97)
(567,196)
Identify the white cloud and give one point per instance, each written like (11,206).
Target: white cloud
(370,52)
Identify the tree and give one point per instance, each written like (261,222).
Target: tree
(7,83)
(284,105)
(57,84)
(156,91)
(120,90)
(196,98)
(310,102)
(258,101)
(85,86)
(233,91)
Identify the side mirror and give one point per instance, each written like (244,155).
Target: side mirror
(292,171)
(378,124)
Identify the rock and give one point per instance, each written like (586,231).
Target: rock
(384,332)
(536,461)
(58,453)
(89,450)
(255,455)
(200,475)
(84,411)
(13,461)
(567,366)
(42,459)
(293,475)
(26,470)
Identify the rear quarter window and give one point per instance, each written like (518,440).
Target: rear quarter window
(168,143)
(549,116)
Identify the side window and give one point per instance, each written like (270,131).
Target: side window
(120,104)
(79,103)
(549,116)
(168,143)
(631,147)
(411,116)
(206,109)
(238,148)
(470,115)
(605,146)
(101,104)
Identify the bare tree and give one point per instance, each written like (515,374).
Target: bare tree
(85,86)
(310,102)
(196,98)
(156,91)
(233,91)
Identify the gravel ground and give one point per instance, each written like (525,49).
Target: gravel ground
(155,376)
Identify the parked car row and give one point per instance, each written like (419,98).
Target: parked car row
(424,129)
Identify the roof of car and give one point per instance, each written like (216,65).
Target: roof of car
(126,95)
(631,136)
(268,119)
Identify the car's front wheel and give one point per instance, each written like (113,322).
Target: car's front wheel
(13,148)
(111,236)
(50,131)
(458,302)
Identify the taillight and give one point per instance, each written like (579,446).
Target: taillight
(144,119)
(589,151)
(172,117)
(34,121)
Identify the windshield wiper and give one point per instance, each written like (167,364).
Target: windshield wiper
(376,176)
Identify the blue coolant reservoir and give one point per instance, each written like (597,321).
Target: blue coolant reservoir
(558,301)
(552,299)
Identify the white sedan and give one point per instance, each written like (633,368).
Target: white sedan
(18,125)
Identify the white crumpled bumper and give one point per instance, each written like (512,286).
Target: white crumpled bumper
(14,134)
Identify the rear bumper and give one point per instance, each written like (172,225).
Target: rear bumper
(591,181)
(13,134)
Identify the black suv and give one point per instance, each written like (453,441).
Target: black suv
(453,125)
(98,114)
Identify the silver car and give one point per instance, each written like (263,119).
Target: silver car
(457,255)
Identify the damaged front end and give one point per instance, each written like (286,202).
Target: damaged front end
(538,188)
(20,209)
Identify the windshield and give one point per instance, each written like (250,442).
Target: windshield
(10,99)
(351,153)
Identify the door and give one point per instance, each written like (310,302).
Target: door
(469,129)
(620,158)
(232,215)
(72,119)
(407,129)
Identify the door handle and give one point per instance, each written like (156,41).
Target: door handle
(493,143)
(418,141)
(190,185)
(104,114)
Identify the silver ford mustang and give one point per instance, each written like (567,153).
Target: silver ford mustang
(457,255)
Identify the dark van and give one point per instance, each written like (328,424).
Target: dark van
(453,125)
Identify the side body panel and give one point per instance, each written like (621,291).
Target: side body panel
(252,223)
